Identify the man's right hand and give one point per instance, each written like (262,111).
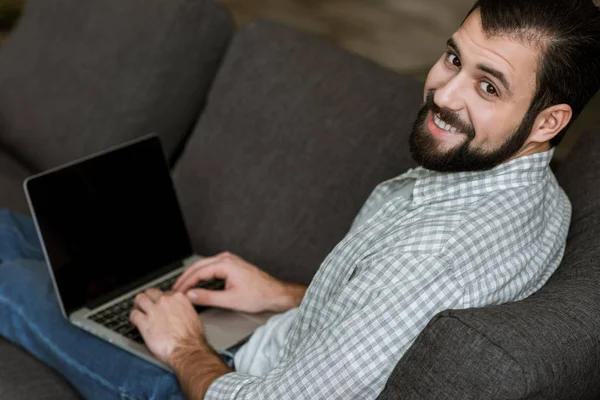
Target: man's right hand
(247,288)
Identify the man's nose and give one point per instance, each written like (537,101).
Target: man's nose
(451,95)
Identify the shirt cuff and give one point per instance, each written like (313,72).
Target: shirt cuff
(227,386)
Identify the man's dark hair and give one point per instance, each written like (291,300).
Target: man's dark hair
(568,33)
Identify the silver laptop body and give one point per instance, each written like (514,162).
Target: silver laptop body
(110,227)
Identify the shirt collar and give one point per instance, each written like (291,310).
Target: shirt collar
(523,171)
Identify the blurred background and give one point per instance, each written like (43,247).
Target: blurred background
(407,36)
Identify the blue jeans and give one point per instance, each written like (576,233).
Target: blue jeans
(30,316)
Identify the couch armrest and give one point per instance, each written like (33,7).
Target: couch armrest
(451,360)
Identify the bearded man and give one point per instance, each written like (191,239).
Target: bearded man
(481,221)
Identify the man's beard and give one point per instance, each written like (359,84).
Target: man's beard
(424,146)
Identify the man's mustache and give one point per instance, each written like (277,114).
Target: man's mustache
(449,117)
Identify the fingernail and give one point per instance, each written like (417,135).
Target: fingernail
(191,295)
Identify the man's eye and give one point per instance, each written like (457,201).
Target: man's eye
(453,59)
(488,88)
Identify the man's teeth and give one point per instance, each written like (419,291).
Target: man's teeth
(442,125)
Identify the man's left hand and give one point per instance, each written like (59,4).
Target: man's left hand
(166,321)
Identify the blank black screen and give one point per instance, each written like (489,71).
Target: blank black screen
(109,221)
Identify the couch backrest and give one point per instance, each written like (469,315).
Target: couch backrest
(80,76)
(544,347)
(295,135)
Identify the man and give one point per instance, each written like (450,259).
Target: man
(482,221)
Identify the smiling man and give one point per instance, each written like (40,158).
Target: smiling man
(482,221)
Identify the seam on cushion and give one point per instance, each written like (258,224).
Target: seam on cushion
(496,345)
(16,157)
(50,345)
(181,142)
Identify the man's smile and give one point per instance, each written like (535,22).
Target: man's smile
(442,124)
(439,127)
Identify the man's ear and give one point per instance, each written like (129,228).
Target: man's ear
(550,122)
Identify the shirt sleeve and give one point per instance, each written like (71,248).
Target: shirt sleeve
(361,334)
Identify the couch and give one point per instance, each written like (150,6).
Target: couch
(275,140)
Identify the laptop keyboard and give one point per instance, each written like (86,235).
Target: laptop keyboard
(116,317)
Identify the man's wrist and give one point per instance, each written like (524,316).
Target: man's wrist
(289,296)
(197,366)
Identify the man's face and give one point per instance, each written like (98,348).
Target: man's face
(476,99)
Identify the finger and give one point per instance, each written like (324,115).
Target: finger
(137,318)
(143,302)
(198,264)
(211,298)
(154,294)
(215,270)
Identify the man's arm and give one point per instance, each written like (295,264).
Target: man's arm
(352,353)
(348,356)
(196,366)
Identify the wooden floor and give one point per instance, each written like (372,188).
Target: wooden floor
(404,35)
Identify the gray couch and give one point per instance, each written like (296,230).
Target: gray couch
(275,140)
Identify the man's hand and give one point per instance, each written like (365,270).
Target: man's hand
(247,288)
(167,322)
(173,332)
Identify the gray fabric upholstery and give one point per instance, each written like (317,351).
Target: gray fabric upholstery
(12,174)
(22,377)
(79,76)
(295,135)
(451,360)
(545,347)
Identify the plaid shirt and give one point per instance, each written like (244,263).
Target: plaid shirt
(461,240)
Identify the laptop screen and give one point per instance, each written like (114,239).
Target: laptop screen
(109,222)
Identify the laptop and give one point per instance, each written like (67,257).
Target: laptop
(111,226)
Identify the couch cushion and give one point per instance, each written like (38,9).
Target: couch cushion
(544,347)
(79,76)
(12,174)
(22,377)
(295,136)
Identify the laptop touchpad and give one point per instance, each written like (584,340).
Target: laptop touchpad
(225,328)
